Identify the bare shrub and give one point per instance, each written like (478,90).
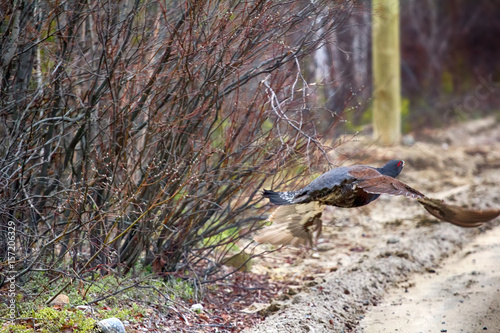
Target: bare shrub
(146,130)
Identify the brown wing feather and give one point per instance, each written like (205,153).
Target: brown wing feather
(372,181)
(293,225)
(381,184)
(463,217)
(282,234)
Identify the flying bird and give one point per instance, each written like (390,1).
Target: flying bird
(298,219)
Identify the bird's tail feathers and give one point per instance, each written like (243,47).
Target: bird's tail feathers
(462,217)
(280,198)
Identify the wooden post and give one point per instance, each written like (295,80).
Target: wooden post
(386,71)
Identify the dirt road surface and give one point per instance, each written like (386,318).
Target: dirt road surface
(390,266)
(463,297)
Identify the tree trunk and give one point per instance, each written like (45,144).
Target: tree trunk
(386,72)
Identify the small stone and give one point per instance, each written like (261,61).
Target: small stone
(315,255)
(110,325)
(485,328)
(319,279)
(393,240)
(297,299)
(443,330)
(60,300)
(197,308)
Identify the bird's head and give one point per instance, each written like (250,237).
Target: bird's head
(392,168)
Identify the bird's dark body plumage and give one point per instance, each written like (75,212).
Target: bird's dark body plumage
(344,186)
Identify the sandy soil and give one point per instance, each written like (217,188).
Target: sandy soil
(462,296)
(389,266)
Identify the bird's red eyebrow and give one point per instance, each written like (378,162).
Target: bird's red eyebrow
(399,164)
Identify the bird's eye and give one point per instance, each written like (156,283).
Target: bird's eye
(400,164)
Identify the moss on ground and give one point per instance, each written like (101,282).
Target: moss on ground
(134,301)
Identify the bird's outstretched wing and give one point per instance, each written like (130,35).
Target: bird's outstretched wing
(463,217)
(380,184)
(293,225)
(375,183)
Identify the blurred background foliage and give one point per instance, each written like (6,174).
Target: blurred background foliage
(449,64)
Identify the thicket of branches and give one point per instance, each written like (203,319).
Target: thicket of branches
(143,131)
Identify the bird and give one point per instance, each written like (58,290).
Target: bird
(347,187)
(297,220)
